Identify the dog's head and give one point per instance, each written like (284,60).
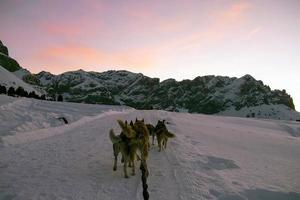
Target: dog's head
(160,125)
(142,135)
(140,127)
(127,129)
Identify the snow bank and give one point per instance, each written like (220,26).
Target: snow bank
(19,115)
(49,132)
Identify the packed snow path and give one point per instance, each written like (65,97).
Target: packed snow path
(210,158)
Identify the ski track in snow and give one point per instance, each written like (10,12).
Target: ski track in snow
(210,158)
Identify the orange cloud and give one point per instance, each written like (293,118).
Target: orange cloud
(140,56)
(62,29)
(224,19)
(234,12)
(75,56)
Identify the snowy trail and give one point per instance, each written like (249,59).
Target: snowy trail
(210,158)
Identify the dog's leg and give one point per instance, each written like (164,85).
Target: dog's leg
(160,141)
(159,145)
(153,136)
(116,157)
(148,144)
(125,166)
(115,163)
(133,164)
(129,163)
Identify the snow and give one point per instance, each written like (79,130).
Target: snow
(279,111)
(9,79)
(212,157)
(21,72)
(26,114)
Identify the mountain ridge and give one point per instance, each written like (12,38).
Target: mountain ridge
(204,94)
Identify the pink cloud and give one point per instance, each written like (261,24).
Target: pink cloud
(253,32)
(74,56)
(137,37)
(65,30)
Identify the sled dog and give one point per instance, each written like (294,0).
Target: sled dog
(125,143)
(162,134)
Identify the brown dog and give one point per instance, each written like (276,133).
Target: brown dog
(127,144)
(162,134)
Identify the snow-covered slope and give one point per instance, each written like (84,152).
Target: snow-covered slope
(264,111)
(21,73)
(8,79)
(212,157)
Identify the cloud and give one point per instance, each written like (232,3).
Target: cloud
(224,19)
(74,56)
(61,30)
(136,37)
(235,12)
(253,32)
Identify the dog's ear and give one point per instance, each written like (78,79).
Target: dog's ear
(143,120)
(135,119)
(121,123)
(126,122)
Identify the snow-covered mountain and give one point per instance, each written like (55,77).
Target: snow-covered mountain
(211,157)
(242,96)
(9,79)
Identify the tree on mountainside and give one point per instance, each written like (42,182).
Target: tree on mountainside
(43,97)
(21,92)
(32,94)
(11,91)
(2,89)
(60,98)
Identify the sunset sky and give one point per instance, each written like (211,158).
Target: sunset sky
(178,39)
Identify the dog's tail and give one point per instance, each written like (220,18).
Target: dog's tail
(169,134)
(114,138)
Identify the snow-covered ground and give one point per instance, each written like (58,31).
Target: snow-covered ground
(212,157)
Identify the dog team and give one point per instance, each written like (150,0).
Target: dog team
(135,137)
